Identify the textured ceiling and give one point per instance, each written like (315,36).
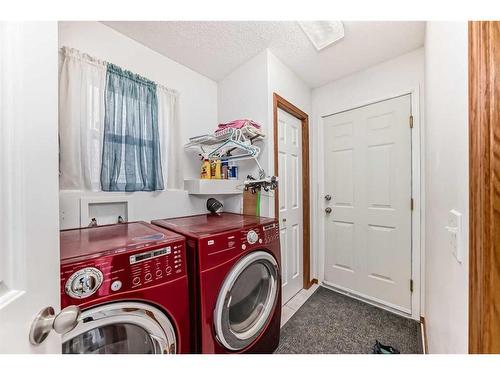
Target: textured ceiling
(216,48)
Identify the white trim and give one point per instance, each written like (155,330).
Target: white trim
(418,214)
(12,162)
(367,299)
(8,296)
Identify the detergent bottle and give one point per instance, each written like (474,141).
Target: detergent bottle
(218,169)
(205,170)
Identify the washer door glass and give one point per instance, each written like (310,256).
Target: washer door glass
(246,300)
(121,328)
(117,338)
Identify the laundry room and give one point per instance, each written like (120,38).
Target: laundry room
(238,186)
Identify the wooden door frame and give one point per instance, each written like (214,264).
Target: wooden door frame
(283,104)
(484,185)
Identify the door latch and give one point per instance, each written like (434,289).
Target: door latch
(47,320)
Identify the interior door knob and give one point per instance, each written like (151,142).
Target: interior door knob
(328,210)
(328,197)
(47,320)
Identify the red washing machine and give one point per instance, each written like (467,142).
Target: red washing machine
(234,268)
(130,282)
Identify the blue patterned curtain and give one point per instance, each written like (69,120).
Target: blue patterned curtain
(131,159)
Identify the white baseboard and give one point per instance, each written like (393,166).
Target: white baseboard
(335,288)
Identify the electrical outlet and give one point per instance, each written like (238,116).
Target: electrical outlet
(455,234)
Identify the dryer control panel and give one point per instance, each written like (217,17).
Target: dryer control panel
(122,272)
(271,232)
(214,250)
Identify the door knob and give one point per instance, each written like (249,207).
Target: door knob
(47,320)
(328,197)
(328,210)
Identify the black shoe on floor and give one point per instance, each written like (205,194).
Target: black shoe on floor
(378,348)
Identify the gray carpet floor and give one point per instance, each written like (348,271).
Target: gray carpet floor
(331,322)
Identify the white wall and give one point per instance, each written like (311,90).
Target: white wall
(284,82)
(243,95)
(446,103)
(248,93)
(197,114)
(390,78)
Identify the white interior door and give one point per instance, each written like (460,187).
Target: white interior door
(290,203)
(29,223)
(368,177)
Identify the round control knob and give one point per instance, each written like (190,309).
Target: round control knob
(84,283)
(136,280)
(159,273)
(252,237)
(168,270)
(148,277)
(116,285)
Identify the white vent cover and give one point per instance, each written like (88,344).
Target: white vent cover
(322,33)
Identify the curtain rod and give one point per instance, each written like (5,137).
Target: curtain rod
(70,51)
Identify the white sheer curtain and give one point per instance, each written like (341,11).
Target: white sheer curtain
(81,118)
(170,137)
(82,86)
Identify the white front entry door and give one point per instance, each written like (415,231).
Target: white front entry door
(29,219)
(290,203)
(368,180)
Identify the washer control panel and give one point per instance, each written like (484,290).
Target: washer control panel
(122,272)
(156,265)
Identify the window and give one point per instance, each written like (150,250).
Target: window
(131,121)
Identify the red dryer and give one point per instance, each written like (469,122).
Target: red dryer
(234,269)
(131,284)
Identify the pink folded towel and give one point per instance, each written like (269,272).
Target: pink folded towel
(238,124)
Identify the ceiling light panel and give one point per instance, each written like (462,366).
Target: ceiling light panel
(322,33)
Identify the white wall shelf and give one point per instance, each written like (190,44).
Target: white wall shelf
(213,187)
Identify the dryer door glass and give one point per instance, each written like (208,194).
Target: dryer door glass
(121,328)
(247,300)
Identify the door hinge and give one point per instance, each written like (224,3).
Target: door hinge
(411,204)
(411,285)
(411,121)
